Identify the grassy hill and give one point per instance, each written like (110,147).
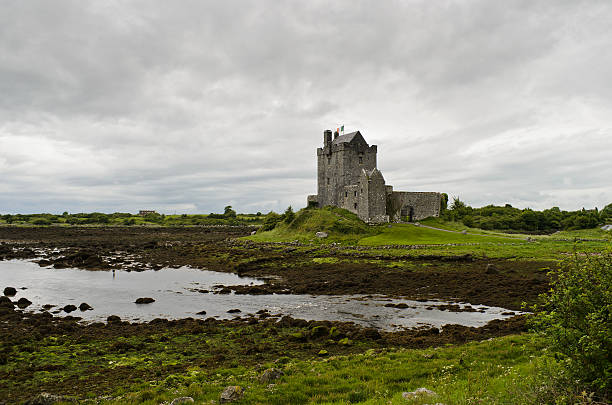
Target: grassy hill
(345,227)
(341,226)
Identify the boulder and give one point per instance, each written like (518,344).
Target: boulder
(69,308)
(113,319)
(371,333)
(234,311)
(144,300)
(5,302)
(319,331)
(418,393)
(321,235)
(253,232)
(23,303)
(85,307)
(231,394)
(182,400)
(270,375)
(10,291)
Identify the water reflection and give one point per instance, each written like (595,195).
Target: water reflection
(178,294)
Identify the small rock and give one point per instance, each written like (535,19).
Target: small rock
(201,313)
(69,308)
(231,394)
(491,269)
(113,319)
(23,303)
(345,342)
(234,311)
(85,307)
(44,398)
(5,302)
(419,392)
(182,400)
(372,333)
(10,291)
(270,375)
(319,331)
(47,306)
(253,232)
(144,300)
(321,235)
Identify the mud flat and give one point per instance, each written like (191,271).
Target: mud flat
(287,269)
(85,353)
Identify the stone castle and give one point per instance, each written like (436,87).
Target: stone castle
(347,177)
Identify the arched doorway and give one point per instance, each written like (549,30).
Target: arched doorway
(407,213)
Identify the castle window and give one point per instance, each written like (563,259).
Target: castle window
(346,193)
(328,160)
(355,205)
(328,181)
(355,194)
(360,160)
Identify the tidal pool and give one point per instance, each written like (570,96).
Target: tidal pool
(176,296)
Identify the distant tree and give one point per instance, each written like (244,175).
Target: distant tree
(229,212)
(289,215)
(444,202)
(457,204)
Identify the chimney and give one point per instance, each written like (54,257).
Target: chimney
(327,137)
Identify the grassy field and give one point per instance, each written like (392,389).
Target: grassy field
(497,371)
(447,240)
(491,372)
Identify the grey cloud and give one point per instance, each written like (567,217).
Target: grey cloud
(190,105)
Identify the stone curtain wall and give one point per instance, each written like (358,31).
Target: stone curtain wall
(423,204)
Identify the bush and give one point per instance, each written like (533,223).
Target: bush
(575,318)
(41,221)
(289,215)
(270,222)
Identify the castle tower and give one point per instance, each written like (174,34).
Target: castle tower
(339,164)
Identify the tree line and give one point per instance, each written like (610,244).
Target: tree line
(508,218)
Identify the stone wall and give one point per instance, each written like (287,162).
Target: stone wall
(417,205)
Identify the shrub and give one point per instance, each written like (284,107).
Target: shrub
(270,222)
(41,221)
(289,215)
(575,318)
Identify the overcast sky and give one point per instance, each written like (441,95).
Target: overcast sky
(188,106)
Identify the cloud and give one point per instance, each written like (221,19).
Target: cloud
(190,106)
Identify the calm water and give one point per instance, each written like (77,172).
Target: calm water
(176,295)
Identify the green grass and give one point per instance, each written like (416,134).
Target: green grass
(496,371)
(346,229)
(408,234)
(499,371)
(341,226)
